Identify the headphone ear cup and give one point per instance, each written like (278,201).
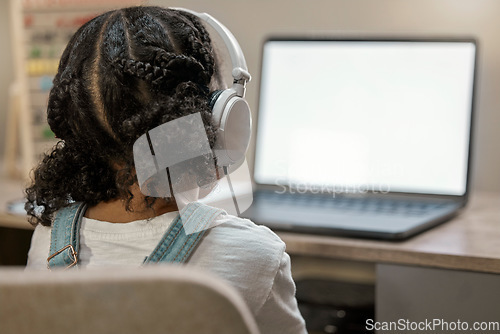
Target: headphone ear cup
(212,99)
(231,115)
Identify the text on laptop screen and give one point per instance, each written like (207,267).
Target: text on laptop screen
(366,115)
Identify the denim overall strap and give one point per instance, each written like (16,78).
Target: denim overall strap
(65,236)
(176,245)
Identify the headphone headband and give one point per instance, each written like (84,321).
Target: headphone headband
(240,71)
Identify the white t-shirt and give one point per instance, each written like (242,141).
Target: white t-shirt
(251,258)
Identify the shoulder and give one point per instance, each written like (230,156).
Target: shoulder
(235,230)
(246,255)
(40,247)
(255,244)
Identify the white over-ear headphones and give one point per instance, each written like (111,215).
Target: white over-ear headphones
(160,151)
(230,111)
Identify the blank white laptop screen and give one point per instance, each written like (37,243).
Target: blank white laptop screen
(366,115)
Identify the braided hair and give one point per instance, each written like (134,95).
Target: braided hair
(121,74)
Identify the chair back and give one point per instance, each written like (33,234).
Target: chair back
(154,299)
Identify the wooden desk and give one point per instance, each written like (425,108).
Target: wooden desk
(448,273)
(471,241)
(11,190)
(15,231)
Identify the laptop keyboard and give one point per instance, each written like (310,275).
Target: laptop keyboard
(355,204)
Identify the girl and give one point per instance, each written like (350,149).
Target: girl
(123,73)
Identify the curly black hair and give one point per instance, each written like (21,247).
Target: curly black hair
(121,74)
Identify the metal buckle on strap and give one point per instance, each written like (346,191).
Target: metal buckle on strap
(72,253)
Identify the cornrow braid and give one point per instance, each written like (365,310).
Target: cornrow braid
(204,48)
(168,69)
(59,98)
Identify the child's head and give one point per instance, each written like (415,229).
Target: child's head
(122,73)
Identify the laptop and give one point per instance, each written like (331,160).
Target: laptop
(366,138)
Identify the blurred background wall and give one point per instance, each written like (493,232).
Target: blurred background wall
(6,69)
(252,21)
